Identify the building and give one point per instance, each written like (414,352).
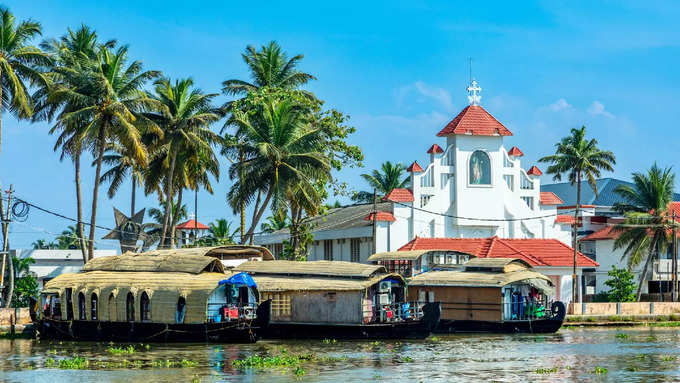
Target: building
(472,187)
(50,263)
(189,230)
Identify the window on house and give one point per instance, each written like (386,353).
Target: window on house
(432,229)
(277,249)
(130,307)
(94,306)
(328,250)
(355,249)
(510,181)
(424,200)
(145,307)
(280,305)
(81,307)
(529,201)
(450,158)
(427,179)
(181,309)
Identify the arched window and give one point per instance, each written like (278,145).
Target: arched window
(81,306)
(145,307)
(130,307)
(112,308)
(94,307)
(181,309)
(479,169)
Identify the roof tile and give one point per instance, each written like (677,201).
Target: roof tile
(414,167)
(400,195)
(550,198)
(476,121)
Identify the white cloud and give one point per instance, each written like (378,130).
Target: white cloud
(424,93)
(560,104)
(598,109)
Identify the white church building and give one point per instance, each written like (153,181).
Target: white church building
(473,187)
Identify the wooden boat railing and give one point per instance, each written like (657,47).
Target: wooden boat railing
(231,312)
(395,312)
(528,309)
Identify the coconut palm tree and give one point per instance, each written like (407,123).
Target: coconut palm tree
(154,229)
(185,120)
(269,67)
(580,159)
(645,230)
(221,232)
(277,221)
(107,96)
(68,239)
(42,244)
(74,51)
(19,63)
(281,151)
(389,176)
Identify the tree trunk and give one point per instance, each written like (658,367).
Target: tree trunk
(257,204)
(643,276)
(259,213)
(242,205)
(175,218)
(1,110)
(168,198)
(95,192)
(574,279)
(80,230)
(134,189)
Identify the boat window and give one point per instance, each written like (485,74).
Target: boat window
(130,307)
(81,306)
(112,307)
(145,307)
(93,307)
(181,309)
(69,304)
(430,296)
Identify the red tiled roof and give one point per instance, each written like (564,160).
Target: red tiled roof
(382,216)
(400,195)
(565,219)
(537,252)
(570,207)
(414,167)
(674,207)
(514,151)
(191,224)
(476,121)
(606,233)
(550,198)
(435,149)
(534,171)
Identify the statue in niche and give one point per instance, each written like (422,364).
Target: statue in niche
(480,169)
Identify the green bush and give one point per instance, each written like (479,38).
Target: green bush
(622,285)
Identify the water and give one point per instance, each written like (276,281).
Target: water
(628,354)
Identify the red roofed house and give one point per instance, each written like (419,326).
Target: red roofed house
(189,230)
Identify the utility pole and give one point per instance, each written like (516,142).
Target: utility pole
(375,219)
(674,263)
(5,217)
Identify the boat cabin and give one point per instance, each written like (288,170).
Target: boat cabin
(330,292)
(413,262)
(487,290)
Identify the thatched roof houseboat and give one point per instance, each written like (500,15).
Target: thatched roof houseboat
(161,295)
(491,294)
(332,299)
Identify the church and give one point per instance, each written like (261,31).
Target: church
(473,188)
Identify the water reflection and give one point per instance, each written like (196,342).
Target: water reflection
(627,354)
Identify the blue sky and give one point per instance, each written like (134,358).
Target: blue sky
(399,69)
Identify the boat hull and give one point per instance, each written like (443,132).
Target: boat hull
(539,326)
(146,332)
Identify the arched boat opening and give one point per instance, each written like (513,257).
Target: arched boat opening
(112,308)
(94,307)
(145,308)
(81,306)
(69,304)
(181,310)
(234,298)
(130,307)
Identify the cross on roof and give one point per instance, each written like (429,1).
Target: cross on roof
(474,98)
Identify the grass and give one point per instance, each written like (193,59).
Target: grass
(599,370)
(547,370)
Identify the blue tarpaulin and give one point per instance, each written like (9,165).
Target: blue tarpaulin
(240,279)
(392,280)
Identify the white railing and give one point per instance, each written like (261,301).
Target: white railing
(525,182)
(427,179)
(506,160)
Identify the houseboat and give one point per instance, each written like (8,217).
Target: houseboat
(230,255)
(332,299)
(412,262)
(491,295)
(179,295)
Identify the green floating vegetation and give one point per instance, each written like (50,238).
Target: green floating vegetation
(406,359)
(129,350)
(669,358)
(75,363)
(547,370)
(329,341)
(265,362)
(622,335)
(80,363)
(434,339)
(600,370)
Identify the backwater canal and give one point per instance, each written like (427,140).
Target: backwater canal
(573,354)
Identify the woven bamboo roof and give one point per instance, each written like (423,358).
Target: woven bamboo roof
(479,279)
(150,262)
(216,251)
(279,283)
(408,255)
(506,264)
(315,268)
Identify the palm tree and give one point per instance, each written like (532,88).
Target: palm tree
(221,232)
(154,229)
(277,221)
(18,64)
(185,120)
(281,151)
(107,96)
(580,159)
(389,176)
(645,230)
(74,51)
(42,244)
(68,239)
(269,67)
